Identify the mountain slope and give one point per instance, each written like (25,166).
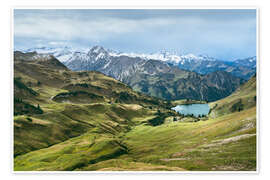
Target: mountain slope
(42,59)
(185,85)
(243,98)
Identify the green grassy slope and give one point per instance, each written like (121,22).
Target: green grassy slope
(115,133)
(224,143)
(193,146)
(243,98)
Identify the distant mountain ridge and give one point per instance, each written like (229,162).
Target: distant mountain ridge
(203,64)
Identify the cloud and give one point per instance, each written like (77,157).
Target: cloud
(222,33)
(72,28)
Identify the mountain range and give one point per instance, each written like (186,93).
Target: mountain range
(203,64)
(161,75)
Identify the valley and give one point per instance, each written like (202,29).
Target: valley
(90,120)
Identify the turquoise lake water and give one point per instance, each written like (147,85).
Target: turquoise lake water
(195,109)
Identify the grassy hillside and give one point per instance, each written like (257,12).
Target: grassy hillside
(224,143)
(93,122)
(243,98)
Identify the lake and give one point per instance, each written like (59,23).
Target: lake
(195,109)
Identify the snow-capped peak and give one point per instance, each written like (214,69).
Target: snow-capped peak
(165,56)
(97,50)
(190,56)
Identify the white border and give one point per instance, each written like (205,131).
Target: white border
(139,172)
(12,88)
(258,97)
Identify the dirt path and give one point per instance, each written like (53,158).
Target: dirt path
(229,140)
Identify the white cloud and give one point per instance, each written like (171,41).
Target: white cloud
(94,29)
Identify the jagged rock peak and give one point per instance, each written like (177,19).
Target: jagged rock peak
(97,50)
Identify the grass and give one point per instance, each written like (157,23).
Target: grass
(69,120)
(110,136)
(72,154)
(154,147)
(127,165)
(151,144)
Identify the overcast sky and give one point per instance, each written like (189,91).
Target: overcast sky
(224,34)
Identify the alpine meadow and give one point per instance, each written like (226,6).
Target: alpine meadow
(135,90)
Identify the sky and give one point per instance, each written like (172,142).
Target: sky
(226,34)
